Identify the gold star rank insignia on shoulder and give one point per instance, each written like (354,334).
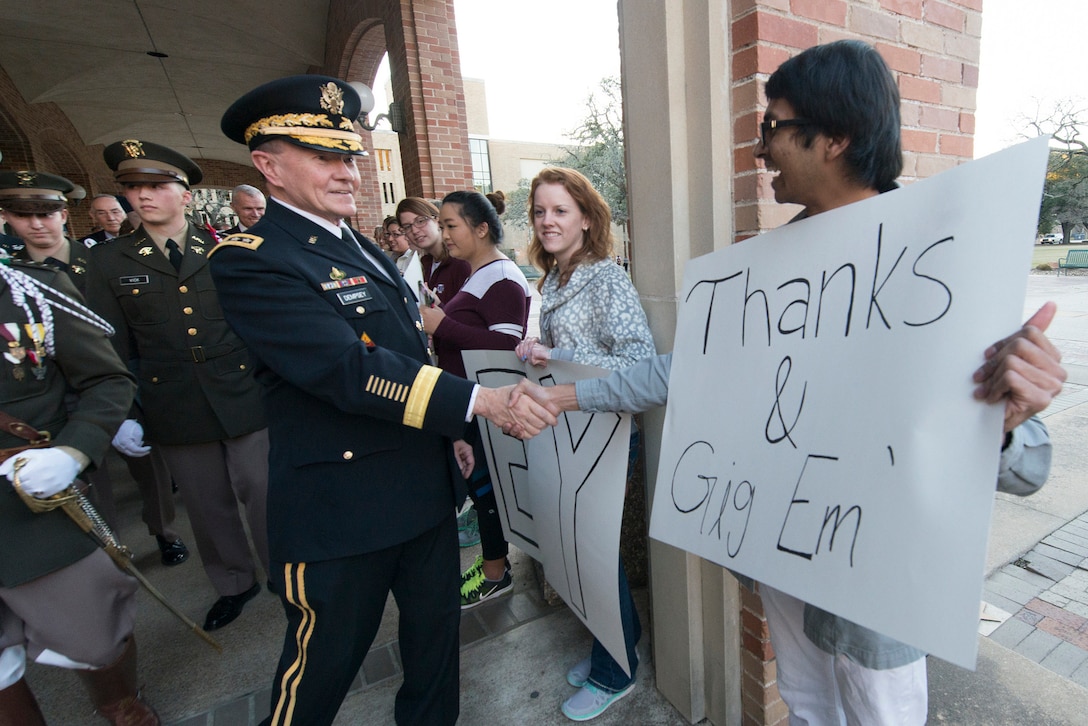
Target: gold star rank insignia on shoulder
(337,274)
(247,241)
(145,251)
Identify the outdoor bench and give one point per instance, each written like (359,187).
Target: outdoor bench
(1074,258)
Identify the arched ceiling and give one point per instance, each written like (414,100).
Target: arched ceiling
(91,59)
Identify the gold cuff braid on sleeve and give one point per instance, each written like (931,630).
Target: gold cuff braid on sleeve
(415,410)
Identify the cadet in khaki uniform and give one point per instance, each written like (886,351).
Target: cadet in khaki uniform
(363,482)
(42,231)
(196,387)
(63,601)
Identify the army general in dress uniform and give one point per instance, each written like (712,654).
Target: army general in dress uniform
(201,403)
(63,602)
(363,482)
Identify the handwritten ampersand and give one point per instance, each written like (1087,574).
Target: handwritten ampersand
(780,379)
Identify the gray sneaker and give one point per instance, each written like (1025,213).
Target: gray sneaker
(579,673)
(470,535)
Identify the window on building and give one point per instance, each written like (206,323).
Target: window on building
(481,165)
(388,195)
(385,159)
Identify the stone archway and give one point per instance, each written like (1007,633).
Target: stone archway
(361,58)
(421,39)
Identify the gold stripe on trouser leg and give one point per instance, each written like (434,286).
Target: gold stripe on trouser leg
(295,593)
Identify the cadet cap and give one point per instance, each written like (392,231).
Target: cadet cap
(134,161)
(32,192)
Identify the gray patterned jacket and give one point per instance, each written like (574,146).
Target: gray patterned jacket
(596,318)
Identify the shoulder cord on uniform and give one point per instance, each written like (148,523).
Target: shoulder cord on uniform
(23,286)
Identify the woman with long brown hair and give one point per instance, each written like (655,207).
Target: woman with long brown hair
(590,313)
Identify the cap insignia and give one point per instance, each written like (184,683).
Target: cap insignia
(133,148)
(27,178)
(332,98)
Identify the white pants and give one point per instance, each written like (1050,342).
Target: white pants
(821,689)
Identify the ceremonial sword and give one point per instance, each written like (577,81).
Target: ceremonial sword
(83,513)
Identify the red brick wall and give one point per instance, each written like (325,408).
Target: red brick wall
(932,47)
(426,75)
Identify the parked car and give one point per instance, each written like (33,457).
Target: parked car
(1051,239)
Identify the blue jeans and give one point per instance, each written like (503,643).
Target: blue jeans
(605,672)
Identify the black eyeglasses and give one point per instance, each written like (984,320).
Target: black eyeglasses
(419,222)
(768,127)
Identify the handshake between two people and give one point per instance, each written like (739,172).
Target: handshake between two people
(525,409)
(522,410)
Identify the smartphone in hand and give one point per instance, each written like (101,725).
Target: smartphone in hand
(426,296)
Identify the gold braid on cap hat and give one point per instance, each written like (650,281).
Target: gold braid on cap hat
(307,127)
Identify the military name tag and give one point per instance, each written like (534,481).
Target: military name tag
(353,296)
(135,280)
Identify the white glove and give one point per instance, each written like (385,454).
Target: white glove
(47,471)
(129,439)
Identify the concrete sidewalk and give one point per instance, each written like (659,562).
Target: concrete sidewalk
(515,652)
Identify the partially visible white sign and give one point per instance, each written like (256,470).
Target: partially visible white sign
(561,493)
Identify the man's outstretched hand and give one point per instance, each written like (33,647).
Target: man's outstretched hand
(1024,370)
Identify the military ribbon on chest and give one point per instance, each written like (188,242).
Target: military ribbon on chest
(15,352)
(338,283)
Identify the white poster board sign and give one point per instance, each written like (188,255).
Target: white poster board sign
(561,493)
(821,434)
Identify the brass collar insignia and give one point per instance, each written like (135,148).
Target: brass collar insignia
(146,251)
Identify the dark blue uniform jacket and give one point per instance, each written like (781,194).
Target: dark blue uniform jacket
(360,423)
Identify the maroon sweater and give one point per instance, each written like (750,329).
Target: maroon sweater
(447,279)
(489,313)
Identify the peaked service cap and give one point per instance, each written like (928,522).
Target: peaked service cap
(133,160)
(315,112)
